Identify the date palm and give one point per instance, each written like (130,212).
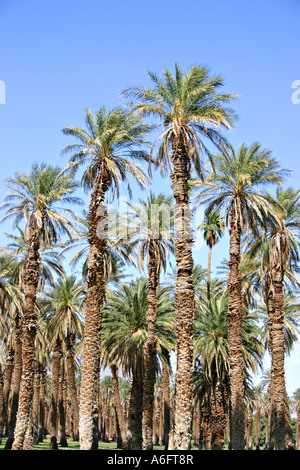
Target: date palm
(107,148)
(213,229)
(235,191)
(283,235)
(191,110)
(148,226)
(40,199)
(50,265)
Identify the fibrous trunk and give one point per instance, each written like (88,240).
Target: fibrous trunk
(282,436)
(70,370)
(118,406)
(150,351)
(184,297)
(235,316)
(16,380)
(29,327)
(95,297)
(56,370)
(135,409)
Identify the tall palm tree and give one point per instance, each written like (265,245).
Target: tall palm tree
(125,336)
(190,110)
(148,226)
(235,191)
(107,148)
(213,229)
(50,265)
(38,198)
(283,255)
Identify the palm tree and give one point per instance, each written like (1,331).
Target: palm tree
(64,304)
(148,227)
(125,336)
(235,188)
(213,229)
(283,255)
(36,197)
(190,109)
(107,148)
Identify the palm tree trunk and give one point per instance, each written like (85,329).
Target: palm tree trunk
(267,430)
(257,428)
(208,271)
(150,351)
(249,442)
(298,429)
(135,408)
(205,426)
(282,429)
(61,409)
(218,416)
(42,405)
(115,381)
(54,392)
(36,401)
(269,297)
(16,380)
(28,439)
(166,397)
(95,297)
(31,279)
(9,367)
(234,315)
(184,297)
(70,370)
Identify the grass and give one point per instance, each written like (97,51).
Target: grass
(73,445)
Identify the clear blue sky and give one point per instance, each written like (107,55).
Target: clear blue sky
(57,58)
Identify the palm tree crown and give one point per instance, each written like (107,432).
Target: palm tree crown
(40,195)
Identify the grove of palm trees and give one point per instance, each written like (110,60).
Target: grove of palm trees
(117,330)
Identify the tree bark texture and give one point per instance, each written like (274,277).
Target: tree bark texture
(235,316)
(29,327)
(184,297)
(16,380)
(95,297)
(150,351)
